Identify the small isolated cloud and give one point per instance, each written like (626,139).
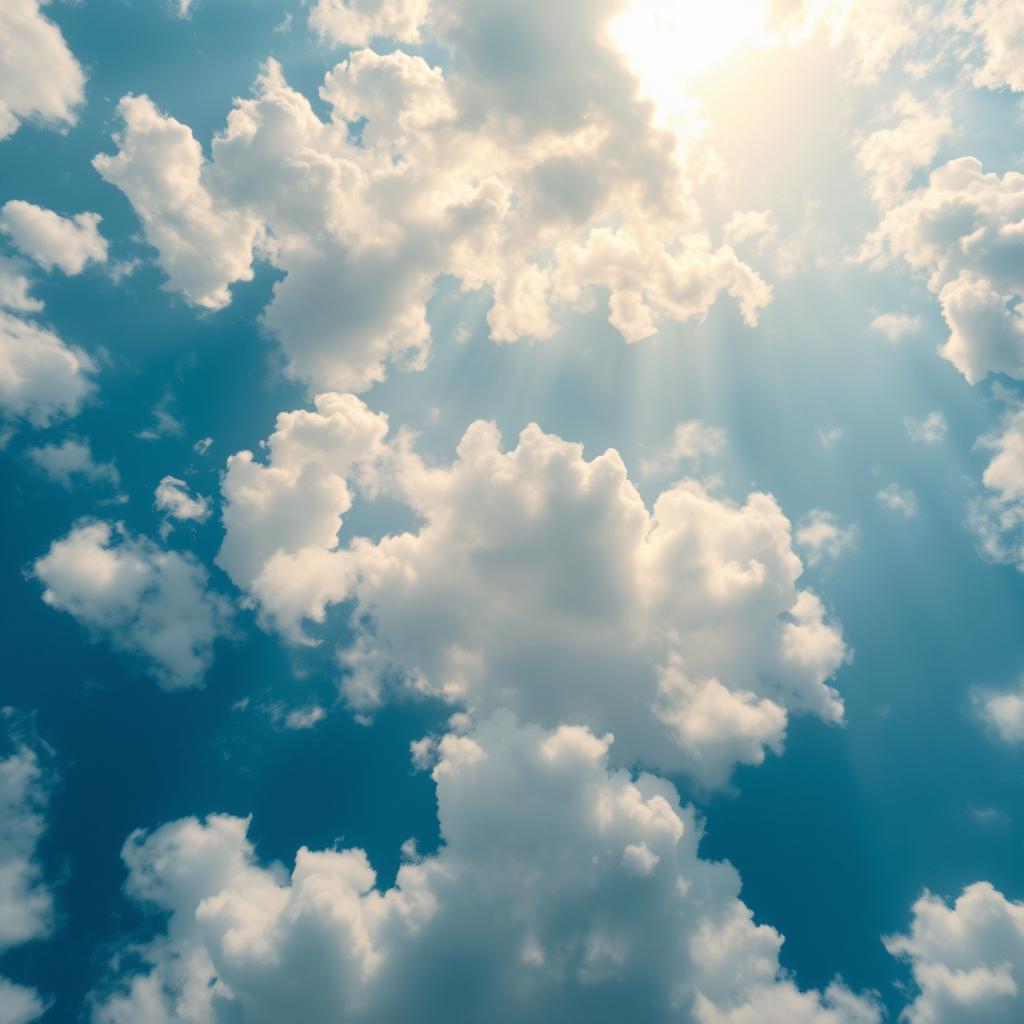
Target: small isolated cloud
(821,536)
(72,461)
(930,429)
(1002,712)
(69,244)
(40,80)
(148,602)
(901,500)
(176,501)
(692,443)
(967,959)
(895,326)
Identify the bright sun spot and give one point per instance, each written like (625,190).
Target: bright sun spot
(668,42)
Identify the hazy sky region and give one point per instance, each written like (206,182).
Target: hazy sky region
(514,511)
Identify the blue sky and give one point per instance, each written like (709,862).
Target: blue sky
(754,274)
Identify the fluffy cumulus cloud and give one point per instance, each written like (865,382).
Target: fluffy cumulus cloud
(967,960)
(998,516)
(358,22)
(39,77)
(682,628)
(534,171)
(148,602)
(964,230)
(28,906)
(42,379)
(562,890)
(69,244)
(282,517)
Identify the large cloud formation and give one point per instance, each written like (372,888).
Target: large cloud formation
(967,960)
(562,890)
(540,582)
(39,77)
(28,907)
(532,169)
(151,603)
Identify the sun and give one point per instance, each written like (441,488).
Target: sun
(669,42)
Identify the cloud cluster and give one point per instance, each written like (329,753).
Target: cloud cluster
(148,602)
(69,244)
(39,77)
(42,379)
(28,909)
(533,170)
(562,890)
(963,230)
(540,582)
(967,960)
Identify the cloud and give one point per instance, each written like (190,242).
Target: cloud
(967,960)
(901,500)
(540,176)
(681,628)
(69,244)
(173,498)
(692,442)
(42,379)
(998,517)
(357,22)
(281,519)
(562,890)
(1002,712)
(148,602)
(822,536)
(963,230)
(28,905)
(888,157)
(931,429)
(72,460)
(896,325)
(40,80)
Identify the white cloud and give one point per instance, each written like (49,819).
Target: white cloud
(1002,712)
(692,442)
(72,460)
(888,157)
(562,890)
(822,536)
(998,517)
(895,325)
(930,429)
(281,519)
(28,906)
(963,229)
(357,22)
(897,498)
(543,179)
(967,960)
(150,603)
(40,80)
(42,379)
(682,628)
(69,244)
(175,500)
(203,246)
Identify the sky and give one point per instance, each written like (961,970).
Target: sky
(513,511)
